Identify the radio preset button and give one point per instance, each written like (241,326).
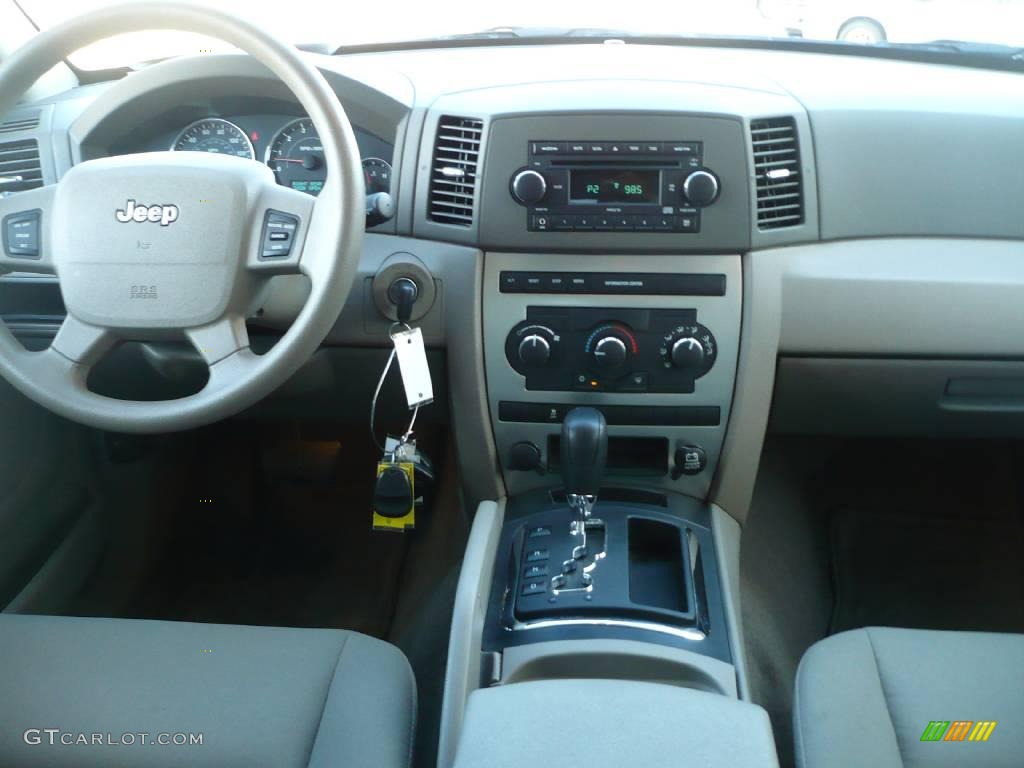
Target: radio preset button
(681,148)
(688,223)
(553,283)
(596,148)
(577,283)
(549,147)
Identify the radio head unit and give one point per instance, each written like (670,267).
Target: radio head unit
(592,186)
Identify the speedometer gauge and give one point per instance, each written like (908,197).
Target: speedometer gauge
(296,156)
(212,134)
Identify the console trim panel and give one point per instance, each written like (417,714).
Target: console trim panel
(714,390)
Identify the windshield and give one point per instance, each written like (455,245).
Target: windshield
(334,23)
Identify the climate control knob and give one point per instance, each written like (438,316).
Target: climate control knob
(534,351)
(528,187)
(701,188)
(610,353)
(690,348)
(687,352)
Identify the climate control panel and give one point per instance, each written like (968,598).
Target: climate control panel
(611,350)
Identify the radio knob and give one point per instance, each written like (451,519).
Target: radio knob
(610,353)
(529,187)
(701,188)
(687,352)
(534,351)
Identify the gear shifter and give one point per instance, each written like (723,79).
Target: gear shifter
(584,453)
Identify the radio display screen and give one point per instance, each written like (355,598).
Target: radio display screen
(613,185)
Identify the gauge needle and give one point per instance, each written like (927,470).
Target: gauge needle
(286,160)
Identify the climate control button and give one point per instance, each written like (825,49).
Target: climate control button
(610,353)
(534,351)
(690,348)
(687,352)
(531,347)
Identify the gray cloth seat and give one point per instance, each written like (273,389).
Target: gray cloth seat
(866,698)
(258,696)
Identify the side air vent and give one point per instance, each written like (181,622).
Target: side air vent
(453,175)
(22,121)
(777,170)
(19,166)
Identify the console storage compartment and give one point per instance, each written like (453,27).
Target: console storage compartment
(610,724)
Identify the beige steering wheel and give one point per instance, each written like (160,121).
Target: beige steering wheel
(214,226)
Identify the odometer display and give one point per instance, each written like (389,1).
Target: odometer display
(296,156)
(221,137)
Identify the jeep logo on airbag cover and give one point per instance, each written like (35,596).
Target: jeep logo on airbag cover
(165,214)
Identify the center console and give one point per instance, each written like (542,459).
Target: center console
(611,310)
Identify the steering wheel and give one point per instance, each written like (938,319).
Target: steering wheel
(177,245)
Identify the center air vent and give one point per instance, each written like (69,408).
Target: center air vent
(22,121)
(777,171)
(19,166)
(453,175)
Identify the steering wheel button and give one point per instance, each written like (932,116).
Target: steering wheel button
(277,234)
(21,235)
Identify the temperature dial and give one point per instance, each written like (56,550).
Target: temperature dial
(690,348)
(610,353)
(610,348)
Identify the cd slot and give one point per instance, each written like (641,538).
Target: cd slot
(605,163)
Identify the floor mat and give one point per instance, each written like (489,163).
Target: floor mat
(914,570)
(278,534)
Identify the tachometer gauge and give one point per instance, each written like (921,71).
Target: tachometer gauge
(214,135)
(377,174)
(296,156)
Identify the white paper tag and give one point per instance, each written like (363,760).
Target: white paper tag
(412,362)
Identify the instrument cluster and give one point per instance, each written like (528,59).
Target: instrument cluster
(291,148)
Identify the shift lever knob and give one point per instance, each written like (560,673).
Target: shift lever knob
(584,451)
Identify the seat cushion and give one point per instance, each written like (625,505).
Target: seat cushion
(867,697)
(258,696)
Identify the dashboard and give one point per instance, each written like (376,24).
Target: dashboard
(704,242)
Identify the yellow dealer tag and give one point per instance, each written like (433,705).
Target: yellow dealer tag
(408,520)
